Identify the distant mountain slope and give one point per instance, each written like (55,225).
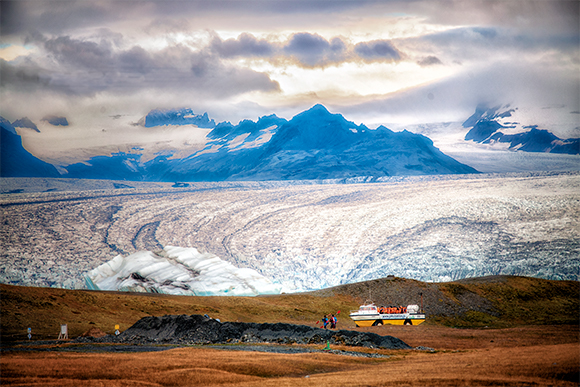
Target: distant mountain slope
(177,117)
(15,161)
(315,144)
(56,120)
(537,141)
(25,122)
(489,126)
(118,166)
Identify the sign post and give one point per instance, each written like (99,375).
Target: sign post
(63,335)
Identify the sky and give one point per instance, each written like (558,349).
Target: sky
(374,61)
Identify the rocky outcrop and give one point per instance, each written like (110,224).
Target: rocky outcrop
(197,329)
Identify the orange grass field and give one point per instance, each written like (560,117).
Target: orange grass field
(526,356)
(534,342)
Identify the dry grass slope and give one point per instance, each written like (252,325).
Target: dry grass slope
(44,309)
(500,301)
(495,301)
(520,366)
(538,349)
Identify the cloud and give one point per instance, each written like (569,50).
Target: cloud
(312,49)
(488,33)
(9,24)
(152,53)
(528,17)
(246,45)
(454,98)
(483,44)
(377,49)
(85,67)
(57,16)
(25,76)
(458,43)
(68,17)
(305,49)
(304,43)
(429,61)
(136,60)
(78,53)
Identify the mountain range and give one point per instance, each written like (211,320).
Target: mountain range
(492,126)
(314,144)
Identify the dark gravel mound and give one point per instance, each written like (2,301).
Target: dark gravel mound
(196,329)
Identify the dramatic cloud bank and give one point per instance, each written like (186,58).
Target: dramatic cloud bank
(388,60)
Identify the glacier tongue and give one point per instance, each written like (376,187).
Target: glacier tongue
(180,271)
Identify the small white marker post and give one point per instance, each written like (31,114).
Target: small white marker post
(63,335)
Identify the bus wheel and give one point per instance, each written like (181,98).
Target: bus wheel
(408,322)
(378,323)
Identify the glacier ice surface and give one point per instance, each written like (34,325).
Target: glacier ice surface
(180,271)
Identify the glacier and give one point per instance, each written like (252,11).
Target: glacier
(302,235)
(178,271)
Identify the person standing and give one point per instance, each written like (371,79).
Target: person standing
(333,322)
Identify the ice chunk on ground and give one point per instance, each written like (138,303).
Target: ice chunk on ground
(180,271)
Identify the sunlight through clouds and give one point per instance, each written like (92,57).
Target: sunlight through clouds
(214,56)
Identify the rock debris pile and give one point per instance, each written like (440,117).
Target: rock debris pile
(197,329)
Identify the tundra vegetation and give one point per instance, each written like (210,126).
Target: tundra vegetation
(533,337)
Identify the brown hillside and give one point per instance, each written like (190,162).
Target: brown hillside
(500,301)
(45,309)
(494,301)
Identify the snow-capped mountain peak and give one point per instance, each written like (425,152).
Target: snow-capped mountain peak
(501,124)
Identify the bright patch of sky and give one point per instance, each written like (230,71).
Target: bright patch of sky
(348,80)
(10,52)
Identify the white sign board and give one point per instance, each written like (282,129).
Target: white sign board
(63,332)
